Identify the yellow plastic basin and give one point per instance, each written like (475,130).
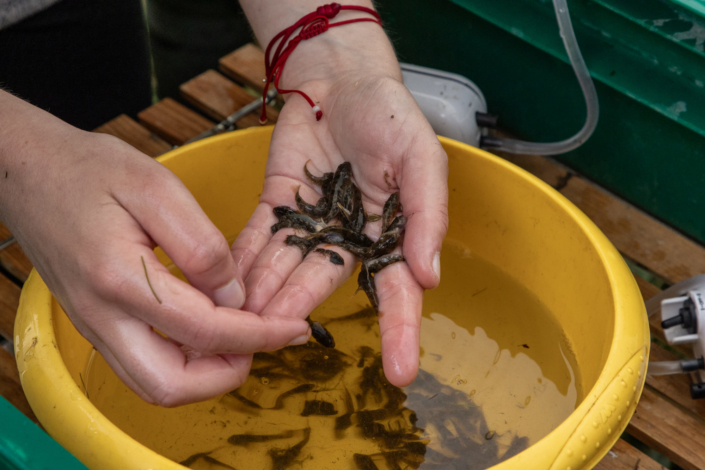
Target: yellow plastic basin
(508,217)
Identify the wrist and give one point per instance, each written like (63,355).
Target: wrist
(349,52)
(353,51)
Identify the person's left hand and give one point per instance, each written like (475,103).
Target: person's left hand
(373,122)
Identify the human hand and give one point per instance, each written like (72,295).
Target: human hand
(371,120)
(88,210)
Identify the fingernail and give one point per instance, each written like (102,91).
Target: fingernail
(437,264)
(230,295)
(299,340)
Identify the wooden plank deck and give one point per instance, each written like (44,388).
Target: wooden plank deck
(667,419)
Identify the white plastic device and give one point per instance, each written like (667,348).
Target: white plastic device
(682,308)
(449,101)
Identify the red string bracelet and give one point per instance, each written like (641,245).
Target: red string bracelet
(311,25)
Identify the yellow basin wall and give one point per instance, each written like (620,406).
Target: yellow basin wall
(501,212)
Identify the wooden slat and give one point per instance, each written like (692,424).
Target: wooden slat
(669,430)
(10,386)
(648,290)
(245,65)
(125,128)
(174,122)
(674,387)
(13,258)
(218,97)
(9,300)
(668,396)
(634,233)
(624,456)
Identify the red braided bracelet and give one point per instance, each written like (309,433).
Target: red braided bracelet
(311,25)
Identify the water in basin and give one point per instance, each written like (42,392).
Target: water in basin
(497,374)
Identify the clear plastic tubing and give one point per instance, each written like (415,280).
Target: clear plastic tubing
(665,368)
(586,84)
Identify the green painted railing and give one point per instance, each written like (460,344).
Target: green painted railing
(24,446)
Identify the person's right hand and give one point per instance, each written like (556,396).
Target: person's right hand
(88,210)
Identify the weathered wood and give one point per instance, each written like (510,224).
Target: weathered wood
(246,66)
(10,386)
(130,131)
(13,258)
(669,430)
(675,387)
(636,234)
(9,301)
(174,122)
(218,97)
(648,290)
(625,456)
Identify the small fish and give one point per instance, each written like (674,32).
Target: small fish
(289,218)
(283,458)
(349,235)
(343,422)
(245,439)
(341,182)
(320,333)
(246,401)
(304,244)
(376,265)
(364,462)
(318,180)
(305,388)
(321,208)
(390,210)
(366,283)
(366,280)
(318,407)
(334,257)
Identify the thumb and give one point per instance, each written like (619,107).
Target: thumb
(168,212)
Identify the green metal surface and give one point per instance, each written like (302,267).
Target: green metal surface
(24,446)
(648,61)
(696,6)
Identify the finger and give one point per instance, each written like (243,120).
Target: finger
(425,166)
(104,351)
(161,371)
(253,238)
(121,372)
(309,285)
(249,244)
(171,216)
(270,271)
(149,292)
(400,302)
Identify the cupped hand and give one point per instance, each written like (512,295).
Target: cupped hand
(374,123)
(89,209)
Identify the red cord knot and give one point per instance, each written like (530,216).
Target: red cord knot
(329,11)
(283,44)
(318,26)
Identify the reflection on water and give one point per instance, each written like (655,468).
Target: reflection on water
(496,376)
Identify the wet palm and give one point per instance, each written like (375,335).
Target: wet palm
(375,124)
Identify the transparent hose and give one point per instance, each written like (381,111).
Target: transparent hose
(583,75)
(665,368)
